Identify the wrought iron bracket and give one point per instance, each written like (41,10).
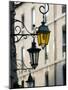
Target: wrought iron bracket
(20,32)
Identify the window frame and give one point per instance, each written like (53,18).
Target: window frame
(63,8)
(64,38)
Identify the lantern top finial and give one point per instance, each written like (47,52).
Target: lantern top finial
(43,28)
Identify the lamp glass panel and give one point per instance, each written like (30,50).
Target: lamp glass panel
(39,38)
(43,38)
(47,38)
(36,57)
(33,58)
(30,57)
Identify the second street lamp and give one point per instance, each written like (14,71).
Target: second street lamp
(34,54)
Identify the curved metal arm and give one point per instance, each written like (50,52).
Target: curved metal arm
(44,8)
(20,32)
(15,20)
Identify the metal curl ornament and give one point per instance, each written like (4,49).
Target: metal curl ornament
(44,8)
(15,20)
(18,28)
(19,31)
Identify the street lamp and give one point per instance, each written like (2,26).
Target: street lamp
(43,34)
(34,54)
(30,81)
(43,30)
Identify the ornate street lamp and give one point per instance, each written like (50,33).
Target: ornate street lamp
(34,54)
(30,81)
(43,30)
(43,34)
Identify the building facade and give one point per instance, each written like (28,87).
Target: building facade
(51,69)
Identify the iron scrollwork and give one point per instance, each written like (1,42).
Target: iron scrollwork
(45,11)
(43,8)
(19,32)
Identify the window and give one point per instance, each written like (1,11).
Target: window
(46,79)
(63,8)
(23,21)
(33,18)
(64,40)
(64,74)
